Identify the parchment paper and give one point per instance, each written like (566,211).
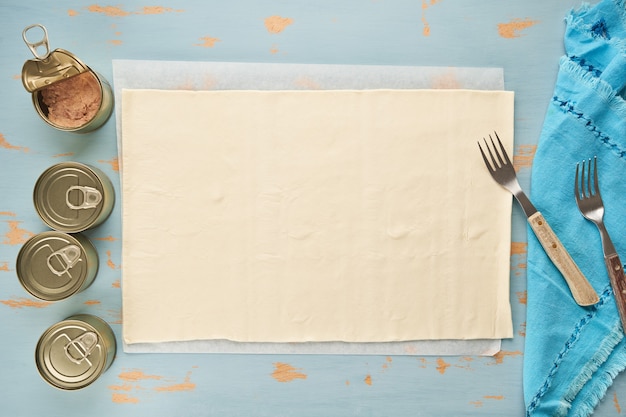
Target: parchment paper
(215,76)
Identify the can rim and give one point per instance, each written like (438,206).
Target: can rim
(43,215)
(102,365)
(77,287)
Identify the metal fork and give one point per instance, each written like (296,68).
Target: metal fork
(503,172)
(589,201)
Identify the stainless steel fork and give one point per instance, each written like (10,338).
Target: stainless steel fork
(503,172)
(589,201)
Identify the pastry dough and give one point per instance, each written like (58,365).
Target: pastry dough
(294,216)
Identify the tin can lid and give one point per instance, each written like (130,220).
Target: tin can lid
(59,65)
(47,67)
(71,354)
(52,266)
(69,197)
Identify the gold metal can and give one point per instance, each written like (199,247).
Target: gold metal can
(53,266)
(67,94)
(72,197)
(73,353)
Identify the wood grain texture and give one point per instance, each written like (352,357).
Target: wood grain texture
(618,283)
(581,289)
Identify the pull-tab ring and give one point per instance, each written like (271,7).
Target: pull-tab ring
(34,46)
(91,197)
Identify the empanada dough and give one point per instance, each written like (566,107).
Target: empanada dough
(295,216)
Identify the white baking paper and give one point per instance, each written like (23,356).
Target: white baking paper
(226,76)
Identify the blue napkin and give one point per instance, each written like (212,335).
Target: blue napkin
(574,353)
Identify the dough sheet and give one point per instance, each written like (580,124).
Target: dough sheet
(298,216)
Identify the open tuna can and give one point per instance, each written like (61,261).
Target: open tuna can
(67,94)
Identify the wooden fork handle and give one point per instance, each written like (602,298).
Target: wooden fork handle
(618,283)
(581,289)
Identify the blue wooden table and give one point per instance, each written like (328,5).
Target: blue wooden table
(523,37)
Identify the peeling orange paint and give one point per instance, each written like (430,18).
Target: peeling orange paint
(423,363)
(125,387)
(276,24)
(136,375)
(25,302)
(368,380)
(387,363)
(465,363)
(106,239)
(16,235)
(442,366)
(185,386)
(111,11)
(4,267)
(59,155)
(522,331)
(208,42)
(522,297)
(7,213)
(115,42)
(494,397)
(72,13)
(477,404)
(6,145)
(283,372)
(523,157)
(110,263)
(118,314)
(274,49)
(518,248)
(116,284)
(129,385)
(115,163)
(425,5)
(158,10)
(124,399)
(499,357)
(91,302)
(616,403)
(513,28)
(115,11)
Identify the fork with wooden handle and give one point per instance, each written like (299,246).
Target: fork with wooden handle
(590,204)
(503,172)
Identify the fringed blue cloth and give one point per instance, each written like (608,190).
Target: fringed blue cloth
(574,353)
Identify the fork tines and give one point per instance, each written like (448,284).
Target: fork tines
(502,157)
(590,187)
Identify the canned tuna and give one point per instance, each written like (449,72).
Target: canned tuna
(74,352)
(66,93)
(72,197)
(52,266)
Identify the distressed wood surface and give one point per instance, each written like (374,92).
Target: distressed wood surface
(523,37)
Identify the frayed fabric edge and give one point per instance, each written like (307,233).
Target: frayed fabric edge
(568,345)
(605,379)
(576,20)
(600,86)
(587,406)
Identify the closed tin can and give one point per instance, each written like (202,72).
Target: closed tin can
(66,93)
(53,266)
(72,197)
(73,353)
